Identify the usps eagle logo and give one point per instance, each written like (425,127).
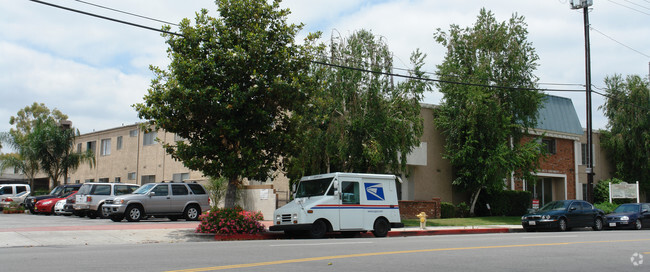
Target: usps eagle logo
(374,191)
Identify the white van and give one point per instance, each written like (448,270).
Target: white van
(345,202)
(9,190)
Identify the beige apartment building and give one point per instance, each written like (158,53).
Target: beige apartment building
(127,154)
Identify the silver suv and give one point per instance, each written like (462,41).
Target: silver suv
(91,197)
(171,200)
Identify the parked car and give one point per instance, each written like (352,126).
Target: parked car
(563,215)
(10,190)
(171,200)
(60,206)
(91,197)
(6,202)
(630,215)
(58,191)
(46,206)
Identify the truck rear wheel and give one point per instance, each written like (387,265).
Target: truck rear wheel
(381,227)
(318,229)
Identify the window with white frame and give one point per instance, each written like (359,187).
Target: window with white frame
(149,138)
(180,177)
(131,176)
(133,133)
(105,147)
(148,179)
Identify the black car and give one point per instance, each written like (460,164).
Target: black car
(630,215)
(564,214)
(58,191)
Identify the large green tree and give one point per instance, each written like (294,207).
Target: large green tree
(485,125)
(627,140)
(27,117)
(229,90)
(53,145)
(359,119)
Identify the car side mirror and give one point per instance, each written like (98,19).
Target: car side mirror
(572,209)
(152,194)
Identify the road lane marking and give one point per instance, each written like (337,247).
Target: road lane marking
(301,260)
(558,236)
(321,244)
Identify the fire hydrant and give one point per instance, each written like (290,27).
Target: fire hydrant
(423,220)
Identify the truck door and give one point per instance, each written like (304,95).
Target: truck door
(160,201)
(351,212)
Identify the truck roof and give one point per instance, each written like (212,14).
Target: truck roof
(351,175)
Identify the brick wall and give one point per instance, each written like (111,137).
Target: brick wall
(408,209)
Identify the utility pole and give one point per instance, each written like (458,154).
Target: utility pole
(584,5)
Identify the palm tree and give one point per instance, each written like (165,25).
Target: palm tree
(25,161)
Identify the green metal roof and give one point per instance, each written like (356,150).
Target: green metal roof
(558,114)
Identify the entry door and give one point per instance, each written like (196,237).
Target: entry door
(351,212)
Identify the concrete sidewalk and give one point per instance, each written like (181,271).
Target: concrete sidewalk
(144,233)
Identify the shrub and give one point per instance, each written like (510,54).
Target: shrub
(601,190)
(230,221)
(462,210)
(606,207)
(503,203)
(447,210)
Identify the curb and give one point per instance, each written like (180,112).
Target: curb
(405,233)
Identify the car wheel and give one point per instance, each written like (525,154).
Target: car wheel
(91,214)
(116,217)
(598,224)
(134,214)
(173,218)
(102,214)
(32,211)
(192,213)
(381,227)
(638,225)
(318,229)
(52,212)
(562,224)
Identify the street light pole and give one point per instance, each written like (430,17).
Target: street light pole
(584,5)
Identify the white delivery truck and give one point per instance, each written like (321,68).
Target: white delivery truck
(341,202)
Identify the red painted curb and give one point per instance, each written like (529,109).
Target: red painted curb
(280,235)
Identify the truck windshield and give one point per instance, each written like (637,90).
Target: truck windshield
(316,187)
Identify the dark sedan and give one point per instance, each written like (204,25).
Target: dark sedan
(631,215)
(564,214)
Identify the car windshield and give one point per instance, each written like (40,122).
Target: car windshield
(626,209)
(316,187)
(144,189)
(57,190)
(555,205)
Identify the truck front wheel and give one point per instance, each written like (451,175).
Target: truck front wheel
(318,229)
(381,227)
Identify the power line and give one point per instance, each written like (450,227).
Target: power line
(630,8)
(628,47)
(125,12)
(638,5)
(106,18)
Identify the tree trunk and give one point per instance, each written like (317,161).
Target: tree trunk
(231,193)
(474,199)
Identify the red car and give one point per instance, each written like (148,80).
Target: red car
(46,206)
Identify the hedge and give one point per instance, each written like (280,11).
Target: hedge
(503,203)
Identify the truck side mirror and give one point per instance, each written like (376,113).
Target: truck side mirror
(152,194)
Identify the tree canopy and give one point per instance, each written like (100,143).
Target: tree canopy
(358,118)
(229,90)
(627,140)
(484,124)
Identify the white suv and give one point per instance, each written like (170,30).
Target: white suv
(171,200)
(91,197)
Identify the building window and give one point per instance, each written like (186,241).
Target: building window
(549,145)
(105,147)
(79,148)
(133,133)
(105,180)
(131,176)
(148,179)
(149,138)
(118,179)
(118,145)
(91,146)
(77,181)
(89,180)
(178,138)
(180,177)
(585,158)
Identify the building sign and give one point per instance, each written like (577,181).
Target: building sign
(623,190)
(536,204)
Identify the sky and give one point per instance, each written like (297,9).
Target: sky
(94,70)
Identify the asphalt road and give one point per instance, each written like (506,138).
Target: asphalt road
(541,251)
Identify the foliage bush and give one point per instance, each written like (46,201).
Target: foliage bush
(606,206)
(462,210)
(447,210)
(601,191)
(230,221)
(503,203)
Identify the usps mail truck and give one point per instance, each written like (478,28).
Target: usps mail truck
(341,202)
